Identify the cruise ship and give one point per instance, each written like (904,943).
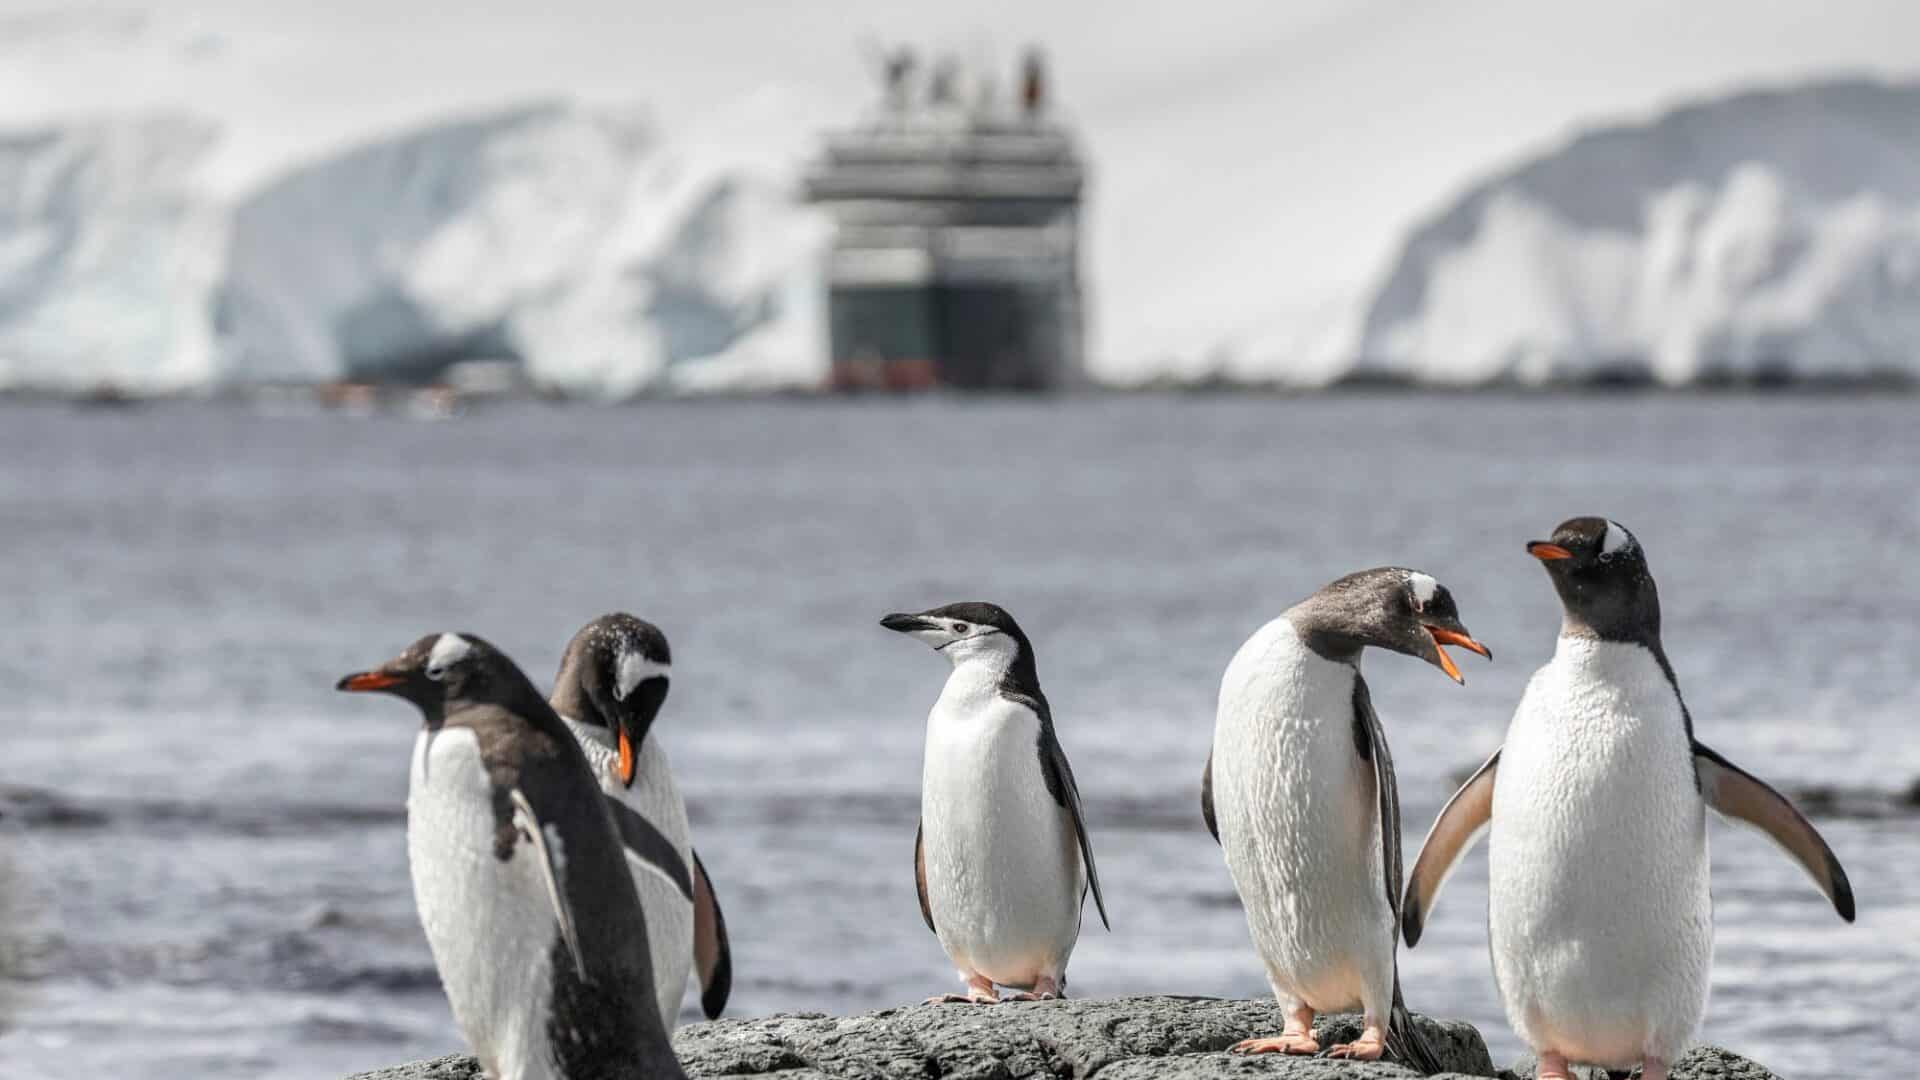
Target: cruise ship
(956,254)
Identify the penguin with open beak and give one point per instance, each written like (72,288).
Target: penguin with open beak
(1299,791)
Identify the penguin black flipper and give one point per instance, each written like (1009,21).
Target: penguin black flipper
(552,873)
(1404,1040)
(1060,784)
(1461,823)
(712,954)
(1740,795)
(642,841)
(1371,743)
(1206,798)
(920,872)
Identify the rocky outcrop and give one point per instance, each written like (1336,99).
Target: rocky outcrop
(1116,1038)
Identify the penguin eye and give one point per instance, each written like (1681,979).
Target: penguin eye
(436,672)
(959,628)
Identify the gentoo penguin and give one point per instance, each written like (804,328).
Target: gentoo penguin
(1600,917)
(526,900)
(1299,792)
(1001,860)
(612,680)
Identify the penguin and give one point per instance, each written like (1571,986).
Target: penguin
(517,870)
(1299,792)
(1001,859)
(612,680)
(1600,915)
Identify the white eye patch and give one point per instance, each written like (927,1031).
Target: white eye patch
(448,651)
(1616,540)
(1423,587)
(631,670)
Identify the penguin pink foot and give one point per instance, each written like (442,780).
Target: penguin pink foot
(1296,1038)
(1044,989)
(980,991)
(1553,1067)
(1370,1046)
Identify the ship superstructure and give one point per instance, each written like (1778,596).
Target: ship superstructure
(956,252)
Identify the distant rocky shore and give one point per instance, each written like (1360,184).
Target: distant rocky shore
(1116,1038)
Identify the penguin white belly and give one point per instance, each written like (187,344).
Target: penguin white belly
(1298,824)
(669,913)
(1004,877)
(1600,915)
(489,923)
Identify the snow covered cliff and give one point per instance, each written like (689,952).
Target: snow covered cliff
(1765,235)
(567,238)
(108,251)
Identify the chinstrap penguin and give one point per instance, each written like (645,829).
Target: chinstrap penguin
(1600,915)
(613,678)
(1299,791)
(528,908)
(1002,861)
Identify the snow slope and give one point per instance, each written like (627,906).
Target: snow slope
(108,252)
(1766,234)
(566,237)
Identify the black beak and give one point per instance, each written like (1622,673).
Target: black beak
(907,624)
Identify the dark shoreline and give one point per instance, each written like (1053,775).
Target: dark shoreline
(395,396)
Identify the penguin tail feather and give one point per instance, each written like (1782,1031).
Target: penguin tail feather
(1406,1043)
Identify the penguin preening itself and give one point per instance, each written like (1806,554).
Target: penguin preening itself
(612,681)
(1299,791)
(534,924)
(1001,860)
(1600,915)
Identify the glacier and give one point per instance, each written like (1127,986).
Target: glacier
(109,249)
(1766,235)
(570,240)
(567,238)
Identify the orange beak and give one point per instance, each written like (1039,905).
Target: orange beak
(368,680)
(627,760)
(1448,637)
(1546,552)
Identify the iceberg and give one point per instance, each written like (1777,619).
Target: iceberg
(109,253)
(568,239)
(1765,235)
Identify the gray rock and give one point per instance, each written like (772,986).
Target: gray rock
(1117,1038)
(451,1067)
(1699,1063)
(1121,1037)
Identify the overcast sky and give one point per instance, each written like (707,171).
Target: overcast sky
(1255,160)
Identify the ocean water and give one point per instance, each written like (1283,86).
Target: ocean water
(202,868)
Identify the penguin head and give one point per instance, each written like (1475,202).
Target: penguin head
(436,669)
(966,631)
(1600,571)
(614,675)
(1390,607)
